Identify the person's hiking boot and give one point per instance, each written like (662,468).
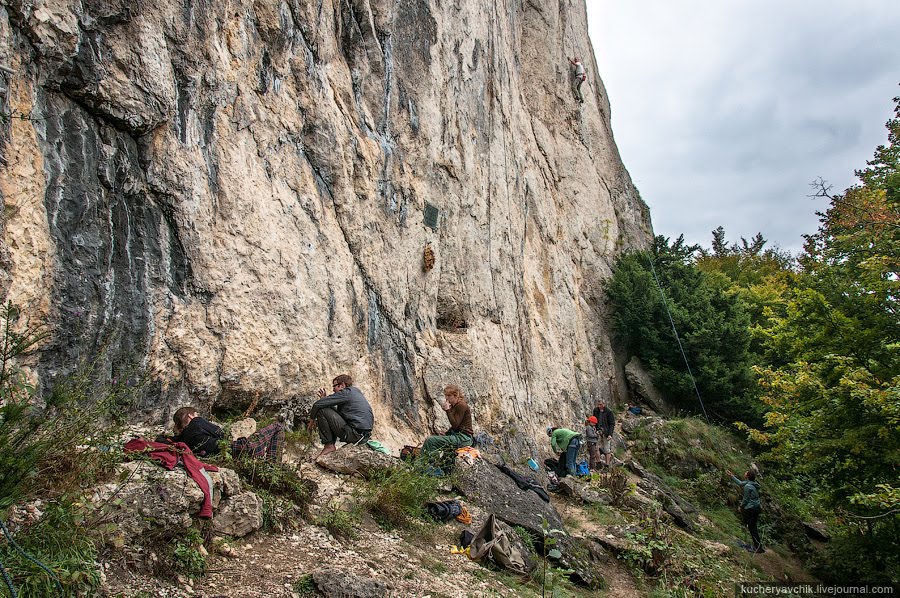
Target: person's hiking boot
(757,550)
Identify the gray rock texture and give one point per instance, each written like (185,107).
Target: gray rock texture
(148,500)
(232,197)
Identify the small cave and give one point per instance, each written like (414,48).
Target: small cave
(452,317)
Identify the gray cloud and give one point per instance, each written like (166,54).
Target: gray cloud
(724,112)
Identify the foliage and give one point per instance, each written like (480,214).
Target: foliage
(712,325)
(305,586)
(341,522)
(397,497)
(649,545)
(549,540)
(832,381)
(55,449)
(188,558)
(59,541)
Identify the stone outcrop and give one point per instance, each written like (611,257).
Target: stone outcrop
(236,196)
(351,459)
(642,388)
(150,500)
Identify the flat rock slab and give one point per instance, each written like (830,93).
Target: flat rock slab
(333,583)
(497,493)
(351,459)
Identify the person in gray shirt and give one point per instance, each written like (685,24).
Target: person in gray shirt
(343,415)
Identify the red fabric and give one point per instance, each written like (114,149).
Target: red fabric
(168,455)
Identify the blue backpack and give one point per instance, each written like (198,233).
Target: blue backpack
(581,468)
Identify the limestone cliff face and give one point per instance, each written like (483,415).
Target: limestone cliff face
(232,195)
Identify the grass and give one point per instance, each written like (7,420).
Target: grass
(340,522)
(396,498)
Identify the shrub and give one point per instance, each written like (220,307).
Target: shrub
(341,522)
(55,452)
(397,497)
(187,556)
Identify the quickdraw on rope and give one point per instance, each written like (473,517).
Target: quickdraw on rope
(677,338)
(21,551)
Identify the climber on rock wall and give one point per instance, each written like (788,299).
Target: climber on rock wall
(578,77)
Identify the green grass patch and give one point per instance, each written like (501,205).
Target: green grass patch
(396,498)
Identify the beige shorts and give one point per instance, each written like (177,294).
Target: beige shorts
(606,445)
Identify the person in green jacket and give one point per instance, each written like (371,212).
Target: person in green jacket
(750,506)
(566,443)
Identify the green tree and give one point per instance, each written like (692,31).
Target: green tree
(832,385)
(712,324)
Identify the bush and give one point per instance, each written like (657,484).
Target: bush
(187,556)
(55,451)
(397,497)
(284,494)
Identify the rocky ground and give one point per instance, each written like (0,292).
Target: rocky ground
(305,559)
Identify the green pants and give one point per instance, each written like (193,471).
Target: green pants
(437,444)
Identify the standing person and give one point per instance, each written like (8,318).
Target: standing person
(592,436)
(606,425)
(750,506)
(578,77)
(343,415)
(203,437)
(460,416)
(566,443)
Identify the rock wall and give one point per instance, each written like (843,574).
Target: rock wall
(232,195)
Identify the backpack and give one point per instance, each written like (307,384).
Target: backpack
(581,468)
(410,453)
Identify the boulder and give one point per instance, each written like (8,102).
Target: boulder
(238,515)
(334,583)
(350,459)
(816,530)
(642,387)
(495,492)
(149,498)
(583,492)
(243,428)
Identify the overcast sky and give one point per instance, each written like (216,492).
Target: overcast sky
(725,110)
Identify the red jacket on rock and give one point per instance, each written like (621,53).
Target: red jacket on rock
(170,455)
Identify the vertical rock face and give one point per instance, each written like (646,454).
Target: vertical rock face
(233,196)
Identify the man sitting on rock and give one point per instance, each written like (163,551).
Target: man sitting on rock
(203,436)
(566,443)
(343,415)
(460,417)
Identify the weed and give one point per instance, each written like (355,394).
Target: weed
(284,493)
(187,557)
(616,484)
(526,537)
(650,547)
(305,586)
(55,451)
(397,497)
(340,522)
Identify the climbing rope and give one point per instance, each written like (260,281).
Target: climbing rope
(677,338)
(8,581)
(21,551)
